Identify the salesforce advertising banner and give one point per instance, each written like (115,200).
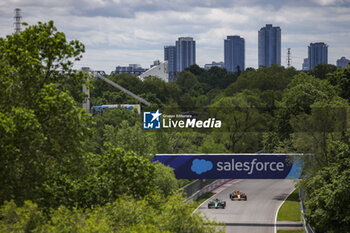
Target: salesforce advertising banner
(232,166)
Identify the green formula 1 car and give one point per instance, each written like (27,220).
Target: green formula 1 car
(216,204)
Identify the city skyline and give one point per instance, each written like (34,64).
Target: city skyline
(127,32)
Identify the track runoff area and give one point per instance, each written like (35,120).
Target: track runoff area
(265,179)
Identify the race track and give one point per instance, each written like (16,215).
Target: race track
(255,215)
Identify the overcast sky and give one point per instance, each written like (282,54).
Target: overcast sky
(121,32)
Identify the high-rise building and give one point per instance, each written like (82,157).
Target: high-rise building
(269,46)
(343,62)
(234,53)
(180,56)
(306,64)
(318,54)
(185,53)
(170,56)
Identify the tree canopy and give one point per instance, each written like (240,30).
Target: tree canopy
(65,170)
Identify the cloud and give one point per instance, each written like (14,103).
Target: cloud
(119,32)
(200,166)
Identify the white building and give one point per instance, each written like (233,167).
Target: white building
(158,69)
(214,64)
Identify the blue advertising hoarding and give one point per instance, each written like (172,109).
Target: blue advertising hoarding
(232,166)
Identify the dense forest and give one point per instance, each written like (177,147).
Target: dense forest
(65,170)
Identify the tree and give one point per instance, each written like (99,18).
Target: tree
(341,79)
(241,121)
(322,70)
(20,219)
(38,56)
(328,121)
(272,78)
(302,91)
(327,199)
(110,118)
(156,85)
(195,69)
(126,173)
(211,144)
(187,81)
(216,77)
(128,81)
(126,214)
(42,129)
(165,179)
(131,138)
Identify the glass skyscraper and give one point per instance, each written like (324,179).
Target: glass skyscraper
(170,56)
(185,53)
(269,46)
(306,64)
(343,62)
(318,54)
(234,53)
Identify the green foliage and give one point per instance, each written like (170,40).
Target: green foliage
(42,130)
(108,176)
(327,192)
(212,144)
(111,119)
(322,70)
(177,217)
(39,56)
(274,143)
(300,94)
(107,183)
(327,121)
(187,81)
(24,219)
(127,172)
(126,214)
(341,79)
(242,121)
(165,179)
(195,69)
(303,91)
(152,89)
(131,138)
(185,142)
(216,78)
(272,78)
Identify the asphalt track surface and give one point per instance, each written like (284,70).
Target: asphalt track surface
(258,213)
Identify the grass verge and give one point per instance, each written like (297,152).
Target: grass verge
(290,210)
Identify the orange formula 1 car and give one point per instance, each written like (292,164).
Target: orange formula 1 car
(238,196)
